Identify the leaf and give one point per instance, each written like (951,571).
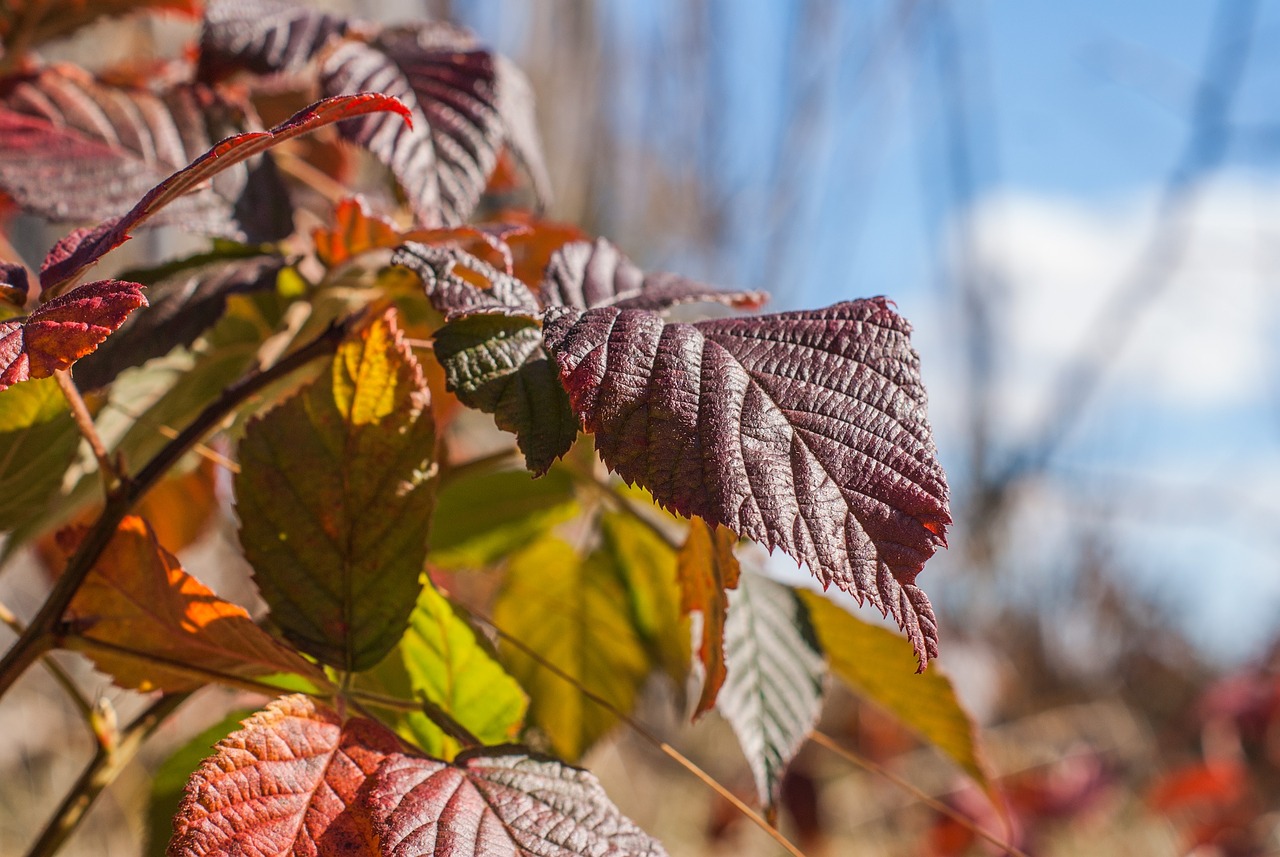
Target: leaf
(13,284)
(801,430)
(449,665)
(334,497)
(480,520)
(575,613)
(585,275)
(52,19)
(356,230)
(262,36)
(183,306)
(455,295)
(707,569)
(38,442)
(170,779)
(65,329)
(138,597)
(79,149)
(877,665)
(533,248)
(84,247)
(288,782)
(773,694)
(465,102)
(647,565)
(498,803)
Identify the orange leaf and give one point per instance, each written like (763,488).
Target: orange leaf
(707,569)
(356,230)
(139,598)
(531,250)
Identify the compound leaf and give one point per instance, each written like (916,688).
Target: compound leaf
(575,614)
(801,430)
(773,694)
(707,569)
(585,274)
(877,663)
(60,332)
(288,782)
(139,598)
(498,803)
(335,496)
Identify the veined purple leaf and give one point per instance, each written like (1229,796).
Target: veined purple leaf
(497,802)
(466,104)
(84,247)
(262,36)
(492,354)
(803,430)
(586,275)
(77,149)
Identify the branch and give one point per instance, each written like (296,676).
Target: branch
(38,638)
(61,676)
(106,765)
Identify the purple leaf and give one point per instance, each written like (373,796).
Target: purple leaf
(587,275)
(466,104)
(454,296)
(803,430)
(84,247)
(13,284)
(77,149)
(262,36)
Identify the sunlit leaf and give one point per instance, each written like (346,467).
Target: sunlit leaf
(449,665)
(480,520)
(576,614)
(285,783)
(80,149)
(877,664)
(84,247)
(707,570)
(334,497)
(355,230)
(262,36)
(585,274)
(498,803)
(466,103)
(773,693)
(60,332)
(38,441)
(802,430)
(138,597)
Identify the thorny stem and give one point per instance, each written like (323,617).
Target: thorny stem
(824,740)
(38,638)
(84,422)
(106,765)
(644,732)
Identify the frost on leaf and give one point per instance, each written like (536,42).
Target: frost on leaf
(60,332)
(802,430)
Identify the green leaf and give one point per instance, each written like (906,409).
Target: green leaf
(495,362)
(450,666)
(576,614)
(880,666)
(647,565)
(772,695)
(170,779)
(38,442)
(335,496)
(481,520)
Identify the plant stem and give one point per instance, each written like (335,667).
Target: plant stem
(471,467)
(437,715)
(61,676)
(89,431)
(38,638)
(106,765)
(623,504)
(644,732)
(826,741)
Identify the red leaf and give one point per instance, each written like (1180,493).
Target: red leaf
(284,784)
(65,329)
(83,248)
(803,430)
(498,804)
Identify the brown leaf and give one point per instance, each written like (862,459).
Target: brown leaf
(286,783)
(138,597)
(707,569)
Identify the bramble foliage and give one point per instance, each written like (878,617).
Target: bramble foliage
(337,374)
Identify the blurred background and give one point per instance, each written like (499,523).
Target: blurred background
(1077,205)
